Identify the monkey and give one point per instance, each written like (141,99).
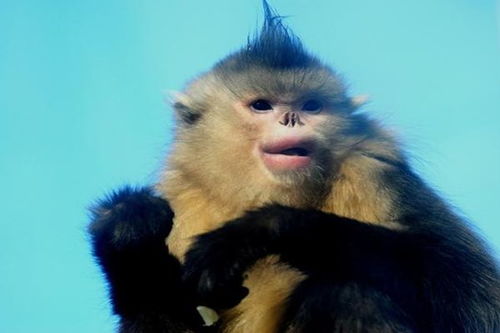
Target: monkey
(287,209)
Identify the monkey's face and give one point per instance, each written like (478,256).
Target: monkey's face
(293,119)
(271,131)
(287,134)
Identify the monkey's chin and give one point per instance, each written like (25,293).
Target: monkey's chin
(282,162)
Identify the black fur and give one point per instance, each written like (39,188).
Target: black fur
(361,278)
(275,46)
(128,232)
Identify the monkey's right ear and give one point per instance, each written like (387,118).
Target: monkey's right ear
(358,101)
(183,109)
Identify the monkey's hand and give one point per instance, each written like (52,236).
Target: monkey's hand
(130,218)
(128,231)
(216,263)
(214,269)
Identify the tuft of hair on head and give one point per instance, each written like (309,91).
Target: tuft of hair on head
(275,47)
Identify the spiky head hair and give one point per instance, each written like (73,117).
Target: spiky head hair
(273,63)
(275,47)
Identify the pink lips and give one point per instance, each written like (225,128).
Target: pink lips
(287,154)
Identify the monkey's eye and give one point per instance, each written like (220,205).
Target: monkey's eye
(312,106)
(261,105)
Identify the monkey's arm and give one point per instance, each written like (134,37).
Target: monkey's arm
(314,242)
(128,232)
(420,270)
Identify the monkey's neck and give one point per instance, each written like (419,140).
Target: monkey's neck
(197,209)
(202,206)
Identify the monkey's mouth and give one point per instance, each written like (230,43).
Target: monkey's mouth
(287,154)
(295,151)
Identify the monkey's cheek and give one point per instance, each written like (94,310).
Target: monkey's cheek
(281,162)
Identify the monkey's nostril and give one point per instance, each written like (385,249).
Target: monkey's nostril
(291,119)
(286,120)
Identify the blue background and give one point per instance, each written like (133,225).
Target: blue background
(82,110)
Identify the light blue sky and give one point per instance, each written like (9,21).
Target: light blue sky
(82,87)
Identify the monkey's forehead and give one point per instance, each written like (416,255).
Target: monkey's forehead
(319,81)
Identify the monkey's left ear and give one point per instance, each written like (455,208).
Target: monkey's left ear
(183,108)
(359,101)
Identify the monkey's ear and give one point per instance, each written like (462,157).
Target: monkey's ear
(359,101)
(183,108)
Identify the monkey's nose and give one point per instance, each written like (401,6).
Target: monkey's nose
(291,119)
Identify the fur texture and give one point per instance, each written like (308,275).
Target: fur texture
(360,277)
